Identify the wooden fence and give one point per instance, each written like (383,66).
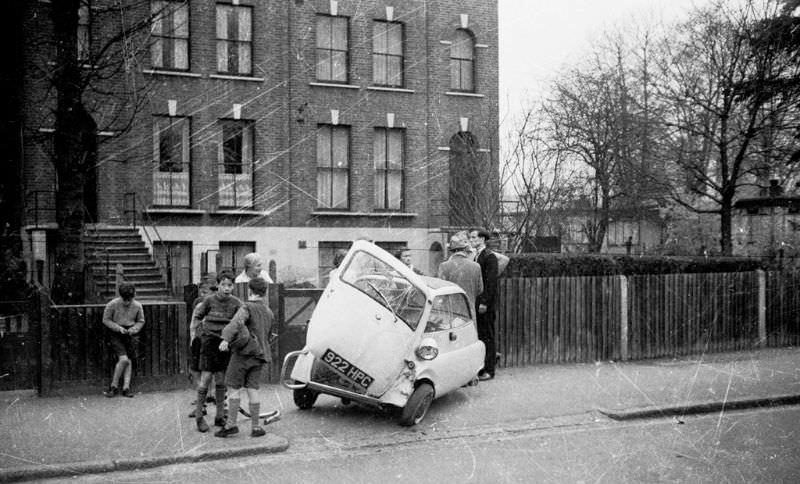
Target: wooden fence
(584,319)
(74,353)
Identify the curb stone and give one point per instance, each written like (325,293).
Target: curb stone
(25,473)
(700,407)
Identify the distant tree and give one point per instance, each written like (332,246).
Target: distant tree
(538,181)
(729,110)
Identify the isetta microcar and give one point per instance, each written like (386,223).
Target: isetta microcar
(385,336)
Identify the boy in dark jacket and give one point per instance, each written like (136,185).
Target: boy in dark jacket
(246,338)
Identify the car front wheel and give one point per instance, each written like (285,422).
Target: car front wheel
(417,406)
(304,398)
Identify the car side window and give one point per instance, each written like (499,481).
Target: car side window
(441,317)
(459,305)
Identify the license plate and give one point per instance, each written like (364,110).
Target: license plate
(347,369)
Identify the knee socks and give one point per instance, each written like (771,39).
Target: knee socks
(202,393)
(255,409)
(233,410)
(219,394)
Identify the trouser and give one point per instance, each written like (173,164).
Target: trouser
(486,334)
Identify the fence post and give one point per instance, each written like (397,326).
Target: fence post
(623,317)
(762,308)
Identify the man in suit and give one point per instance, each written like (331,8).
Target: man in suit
(462,270)
(486,303)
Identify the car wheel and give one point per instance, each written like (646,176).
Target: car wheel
(304,398)
(417,406)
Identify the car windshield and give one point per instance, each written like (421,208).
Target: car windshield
(386,286)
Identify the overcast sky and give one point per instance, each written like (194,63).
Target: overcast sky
(538,36)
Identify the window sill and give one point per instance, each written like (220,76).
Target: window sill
(364,214)
(390,89)
(171,73)
(175,210)
(326,84)
(241,211)
(236,78)
(463,94)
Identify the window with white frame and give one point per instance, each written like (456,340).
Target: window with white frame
(387,53)
(462,62)
(236,164)
(332,48)
(333,166)
(388,152)
(169,48)
(234,39)
(171,156)
(84,31)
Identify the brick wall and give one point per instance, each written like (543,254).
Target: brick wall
(287,108)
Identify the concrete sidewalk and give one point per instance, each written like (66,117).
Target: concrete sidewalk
(62,436)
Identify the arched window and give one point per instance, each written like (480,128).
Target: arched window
(466,183)
(462,61)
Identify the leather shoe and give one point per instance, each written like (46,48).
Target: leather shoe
(484,376)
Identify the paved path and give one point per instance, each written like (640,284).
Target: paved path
(42,437)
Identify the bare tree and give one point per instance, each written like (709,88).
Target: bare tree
(90,83)
(538,181)
(726,122)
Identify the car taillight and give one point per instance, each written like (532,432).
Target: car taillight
(427,350)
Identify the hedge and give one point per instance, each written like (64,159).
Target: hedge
(553,265)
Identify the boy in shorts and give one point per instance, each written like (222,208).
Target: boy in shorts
(124,317)
(246,338)
(208,319)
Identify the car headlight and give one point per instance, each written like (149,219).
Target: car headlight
(428,349)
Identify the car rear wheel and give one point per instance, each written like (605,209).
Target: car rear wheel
(417,406)
(304,398)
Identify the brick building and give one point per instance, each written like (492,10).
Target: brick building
(289,128)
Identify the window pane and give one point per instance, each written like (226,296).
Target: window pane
(380,189)
(222,21)
(455,74)
(395,149)
(395,39)
(462,46)
(222,56)
(340,189)
(323,187)
(379,69)
(379,37)
(181,21)
(324,146)
(339,33)
(323,32)
(244,58)
(466,76)
(339,66)
(395,182)
(340,148)
(395,71)
(379,148)
(181,54)
(323,64)
(156,52)
(245,24)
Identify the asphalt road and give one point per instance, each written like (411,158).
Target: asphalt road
(744,446)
